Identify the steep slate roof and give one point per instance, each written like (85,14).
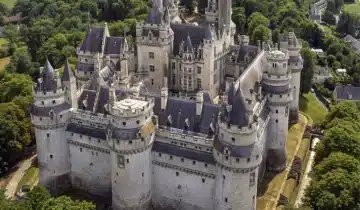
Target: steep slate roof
(93,40)
(113,45)
(196,34)
(237,151)
(44,111)
(181,109)
(87,131)
(89,96)
(47,82)
(347,92)
(354,43)
(238,114)
(183,152)
(67,74)
(247,50)
(155,16)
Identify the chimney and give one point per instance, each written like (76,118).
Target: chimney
(199,103)
(112,96)
(164,97)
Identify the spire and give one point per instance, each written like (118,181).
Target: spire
(67,74)
(47,82)
(188,45)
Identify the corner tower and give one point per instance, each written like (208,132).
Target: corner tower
(50,114)
(130,136)
(238,154)
(296,66)
(276,84)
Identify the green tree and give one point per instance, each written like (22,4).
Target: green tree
(308,70)
(336,189)
(65,203)
(260,33)
(20,62)
(255,20)
(37,197)
(337,160)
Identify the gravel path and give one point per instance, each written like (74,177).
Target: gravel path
(11,186)
(306,179)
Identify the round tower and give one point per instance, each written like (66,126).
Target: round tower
(276,83)
(295,65)
(130,137)
(238,154)
(49,115)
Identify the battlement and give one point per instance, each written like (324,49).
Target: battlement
(190,137)
(132,107)
(234,135)
(277,55)
(278,79)
(90,116)
(38,94)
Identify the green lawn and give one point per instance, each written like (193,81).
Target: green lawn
(312,107)
(9,3)
(29,178)
(353,8)
(2,41)
(272,184)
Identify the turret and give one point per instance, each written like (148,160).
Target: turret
(295,66)
(276,85)
(50,114)
(130,138)
(238,154)
(69,83)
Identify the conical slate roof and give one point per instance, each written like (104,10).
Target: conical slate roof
(47,82)
(67,74)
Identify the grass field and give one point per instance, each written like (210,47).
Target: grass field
(312,107)
(2,41)
(272,185)
(29,178)
(353,8)
(9,3)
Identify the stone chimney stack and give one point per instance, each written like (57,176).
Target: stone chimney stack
(164,97)
(199,103)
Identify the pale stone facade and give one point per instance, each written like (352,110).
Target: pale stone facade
(137,123)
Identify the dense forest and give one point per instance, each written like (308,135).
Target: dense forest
(55,28)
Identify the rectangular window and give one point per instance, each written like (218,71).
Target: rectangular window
(173,65)
(151,55)
(286,111)
(199,83)
(199,70)
(151,68)
(152,81)
(120,160)
(252,179)
(173,79)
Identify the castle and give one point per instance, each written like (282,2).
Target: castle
(183,118)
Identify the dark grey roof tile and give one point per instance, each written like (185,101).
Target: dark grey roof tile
(44,111)
(196,33)
(87,99)
(183,152)
(347,92)
(67,74)
(87,131)
(113,45)
(93,40)
(237,151)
